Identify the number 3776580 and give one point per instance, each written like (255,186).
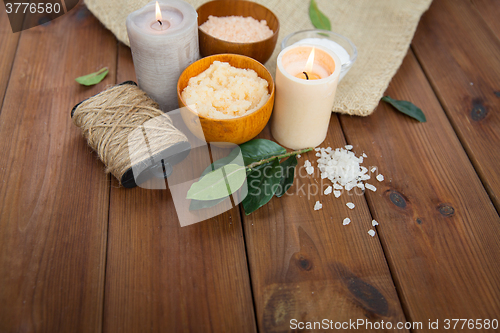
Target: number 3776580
(26,7)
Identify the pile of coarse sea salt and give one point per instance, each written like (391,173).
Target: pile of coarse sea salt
(344,170)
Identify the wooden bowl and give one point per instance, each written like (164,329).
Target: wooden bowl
(260,51)
(235,130)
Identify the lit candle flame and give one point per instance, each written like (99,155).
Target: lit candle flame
(310,62)
(158,13)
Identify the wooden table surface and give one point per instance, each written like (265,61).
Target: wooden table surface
(80,254)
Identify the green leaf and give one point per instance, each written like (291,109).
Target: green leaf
(262,185)
(288,172)
(260,149)
(201,204)
(222,162)
(407,108)
(94,78)
(218,184)
(318,19)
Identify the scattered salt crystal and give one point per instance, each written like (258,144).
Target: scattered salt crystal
(371,232)
(370,187)
(343,168)
(374,223)
(309,167)
(298,155)
(346,221)
(328,190)
(318,205)
(341,165)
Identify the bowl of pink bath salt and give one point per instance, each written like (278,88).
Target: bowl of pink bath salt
(238,27)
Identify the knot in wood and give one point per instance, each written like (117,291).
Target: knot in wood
(446,210)
(397,199)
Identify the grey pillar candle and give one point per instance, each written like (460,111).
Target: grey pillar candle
(161,51)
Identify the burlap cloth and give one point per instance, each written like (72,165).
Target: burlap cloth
(381,30)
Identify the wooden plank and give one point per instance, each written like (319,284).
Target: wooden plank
(437,225)
(490,11)
(8,40)
(306,265)
(460,56)
(165,278)
(54,194)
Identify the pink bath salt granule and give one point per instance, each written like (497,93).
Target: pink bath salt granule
(237,29)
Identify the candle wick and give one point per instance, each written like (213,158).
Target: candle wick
(161,23)
(307,77)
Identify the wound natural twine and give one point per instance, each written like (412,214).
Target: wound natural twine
(109,119)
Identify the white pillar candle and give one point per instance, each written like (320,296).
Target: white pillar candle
(302,107)
(162,51)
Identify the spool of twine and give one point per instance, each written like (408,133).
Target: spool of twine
(111,120)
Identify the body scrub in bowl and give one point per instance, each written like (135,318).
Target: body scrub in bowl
(223,91)
(231,96)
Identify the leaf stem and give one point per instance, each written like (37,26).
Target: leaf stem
(267,160)
(102,70)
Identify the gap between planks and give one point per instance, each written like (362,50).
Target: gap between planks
(383,245)
(242,219)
